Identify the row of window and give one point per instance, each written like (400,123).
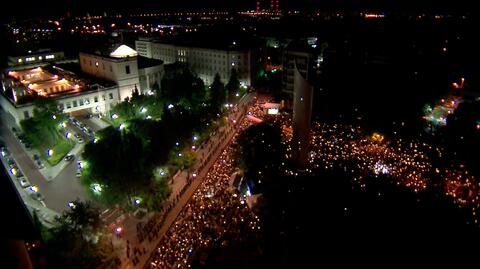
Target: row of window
(83,101)
(32,58)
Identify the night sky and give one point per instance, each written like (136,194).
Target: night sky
(95,6)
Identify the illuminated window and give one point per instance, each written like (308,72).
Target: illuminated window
(29,59)
(51,56)
(96,64)
(20,60)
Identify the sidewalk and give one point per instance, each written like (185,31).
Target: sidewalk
(51,172)
(182,191)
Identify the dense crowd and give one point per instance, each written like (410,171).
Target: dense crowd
(405,163)
(216,212)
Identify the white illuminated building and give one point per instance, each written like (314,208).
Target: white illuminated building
(73,93)
(205,62)
(125,68)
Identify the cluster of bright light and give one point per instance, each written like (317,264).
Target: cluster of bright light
(380,168)
(96,188)
(437,115)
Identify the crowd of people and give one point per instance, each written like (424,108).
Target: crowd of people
(406,163)
(215,212)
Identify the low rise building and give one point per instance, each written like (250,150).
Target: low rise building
(34,58)
(125,68)
(20,88)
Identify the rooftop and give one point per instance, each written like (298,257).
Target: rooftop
(144,62)
(123,51)
(52,82)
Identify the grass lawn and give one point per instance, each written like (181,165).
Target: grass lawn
(59,151)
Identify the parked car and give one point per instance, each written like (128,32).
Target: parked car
(69,157)
(37,196)
(39,164)
(12,163)
(4,151)
(19,173)
(24,183)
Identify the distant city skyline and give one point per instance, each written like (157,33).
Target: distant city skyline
(112,6)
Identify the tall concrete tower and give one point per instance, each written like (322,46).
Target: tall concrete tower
(302,117)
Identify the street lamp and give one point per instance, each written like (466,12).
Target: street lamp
(50,152)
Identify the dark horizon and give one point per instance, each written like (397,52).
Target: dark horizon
(75,7)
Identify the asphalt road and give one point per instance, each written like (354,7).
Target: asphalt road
(58,192)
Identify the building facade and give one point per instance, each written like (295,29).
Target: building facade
(122,71)
(124,68)
(35,58)
(72,93)
(205,62)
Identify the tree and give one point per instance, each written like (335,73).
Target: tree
(118,164)
(233,84)
(69,244)
(181,87)
(218,94)
(84,217)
